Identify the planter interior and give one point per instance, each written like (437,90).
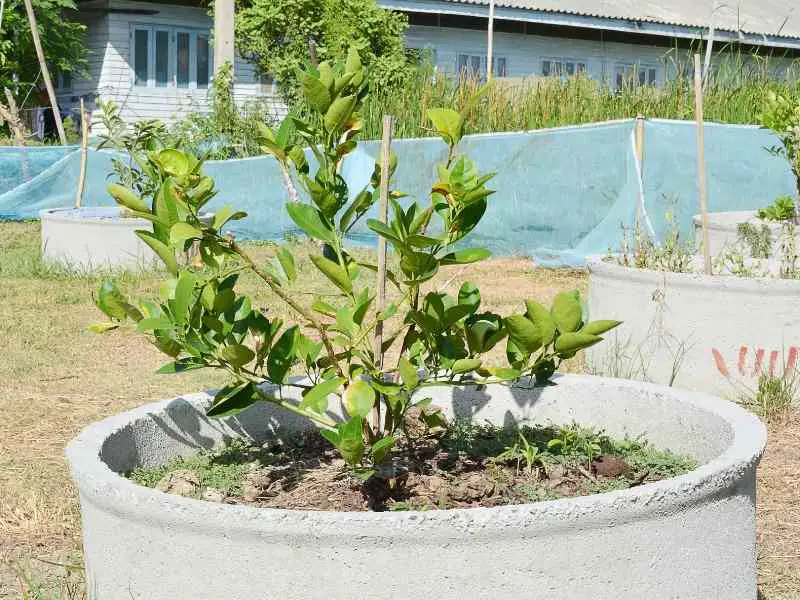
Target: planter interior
(723,231)
(644,542)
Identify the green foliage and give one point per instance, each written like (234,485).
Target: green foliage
(227,131)
(673,255)
(780,210)
(275,35)
(201,319)
(757,239)
(62,41)
(781,114)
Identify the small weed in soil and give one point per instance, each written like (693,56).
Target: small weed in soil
(473,465)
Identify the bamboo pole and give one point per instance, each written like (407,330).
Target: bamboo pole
(383,210)
(51,93)
(701,160)
(640,159)
(84,156)
(490,44)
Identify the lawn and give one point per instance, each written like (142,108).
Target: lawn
(57,377)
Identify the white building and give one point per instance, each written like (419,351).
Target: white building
(154,58)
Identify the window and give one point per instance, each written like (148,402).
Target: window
(170,57)
(562,67)
(63,81)
(473,65)
(628,75)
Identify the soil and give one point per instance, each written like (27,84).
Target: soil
(308,474)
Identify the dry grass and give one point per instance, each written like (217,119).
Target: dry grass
(56,377)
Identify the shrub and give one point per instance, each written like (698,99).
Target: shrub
(202,319)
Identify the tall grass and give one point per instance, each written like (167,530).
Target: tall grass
(734,94)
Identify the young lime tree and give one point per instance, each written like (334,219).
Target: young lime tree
(202,319)
(782,115)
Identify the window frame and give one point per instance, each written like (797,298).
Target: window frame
(172,56)
(636,69)
(563,61)
(470,56)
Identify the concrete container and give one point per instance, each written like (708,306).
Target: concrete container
(723,231)
(95,238)
(691,537)
(714,334)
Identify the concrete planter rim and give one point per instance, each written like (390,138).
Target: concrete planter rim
(744,285)
(726,220)
(121,496)
(92,215)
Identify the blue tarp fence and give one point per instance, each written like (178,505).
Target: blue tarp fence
(562,194)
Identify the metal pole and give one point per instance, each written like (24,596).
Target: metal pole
(37,43)
(701,159)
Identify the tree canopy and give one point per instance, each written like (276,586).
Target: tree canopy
(62,42)
(275,35)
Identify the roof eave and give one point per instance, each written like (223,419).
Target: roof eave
(590,22)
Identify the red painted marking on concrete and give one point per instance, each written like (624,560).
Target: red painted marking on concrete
(792,360)
(742,357)
(773,361)
(759,360)
(721,366)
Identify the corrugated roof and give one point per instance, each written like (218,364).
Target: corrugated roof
(762,17)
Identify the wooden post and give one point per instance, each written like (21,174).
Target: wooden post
(84,156)
(51,93)
(701,160)
(383,209)
(639,138)
(490,44)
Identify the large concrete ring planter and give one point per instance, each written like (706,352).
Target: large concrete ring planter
(723,231)
(95,238)
(714,334)
(690,537)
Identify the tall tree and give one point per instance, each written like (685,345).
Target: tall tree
(275,35)
(62,41)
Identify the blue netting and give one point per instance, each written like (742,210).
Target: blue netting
(562,194)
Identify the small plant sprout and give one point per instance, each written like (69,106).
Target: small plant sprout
(521,450)
(202,319)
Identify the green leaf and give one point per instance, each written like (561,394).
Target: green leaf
(408,373)
(381,449)
(358,398)
(226,214)
(338,113)
(309,219)
(469,295)
(237,354)
(448,123)
(111,302)
(505,373)
(540,317)
(599,327)
(174,162)
(127,198)
(422,241)
(287,263)
(386,232)
(353,63)
(180,365)
(180,232)
(282,355)
(324,308)
(465,365)
(153,323)
(233,399)
(571,342)
(316,398)
(334,272)
(316,94)
(184,294)
(465,256)
(102,327)
(163,251)
(567,311)
(524,333)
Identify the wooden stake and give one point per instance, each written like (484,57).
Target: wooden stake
(383,210)
(84,156)
(640,158)
(490,44)
(37,43)
(701,160)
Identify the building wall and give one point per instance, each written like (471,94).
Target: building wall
(524,53)
(111,66)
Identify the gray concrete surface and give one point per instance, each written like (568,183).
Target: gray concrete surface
(713,334)
(687,538)
(723,231)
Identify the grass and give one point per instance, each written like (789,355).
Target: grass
(56,377)
(734,95)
